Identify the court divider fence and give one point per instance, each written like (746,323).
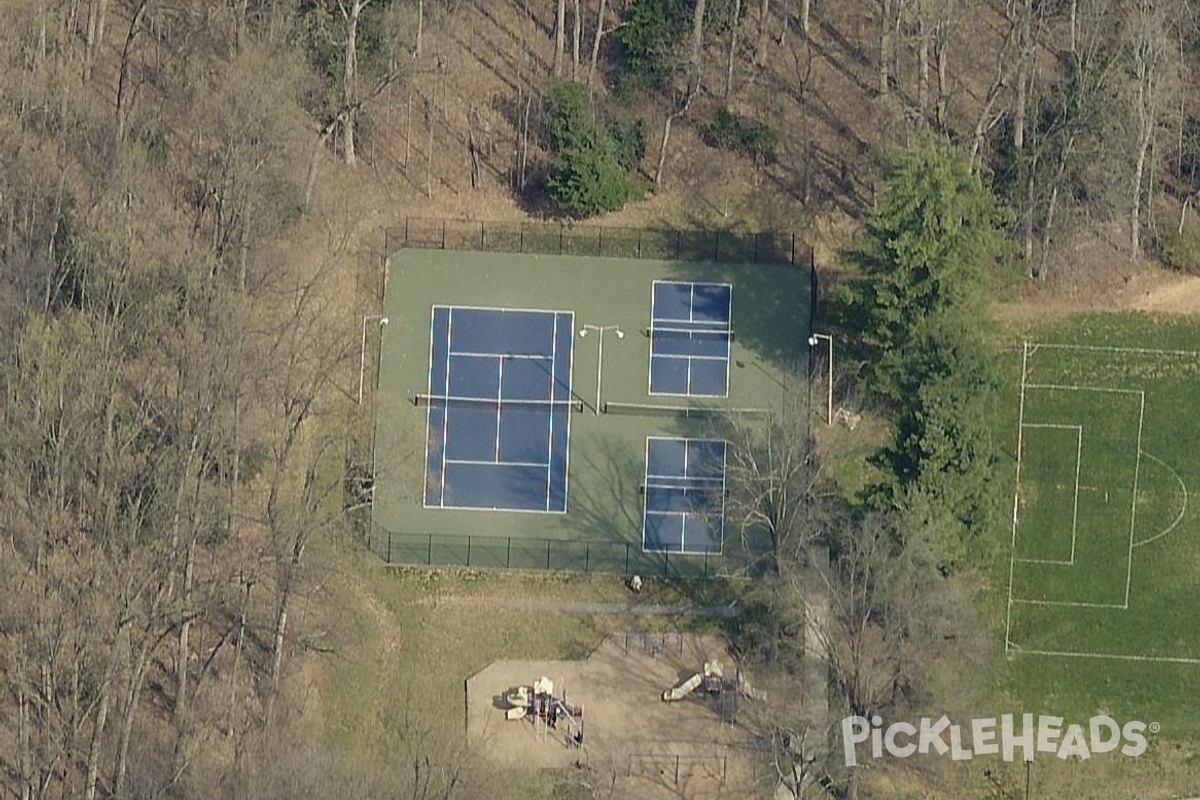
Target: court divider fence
(554,555)
(542,238)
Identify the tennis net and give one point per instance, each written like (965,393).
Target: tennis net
(440,401)
(689,412)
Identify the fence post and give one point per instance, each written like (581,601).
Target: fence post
(793,248)
(468,549)
(676,770)
(627,558)
(600,240)
(560,239)
(481,234)
(443,234)
(406,231)
(639,243)
(508,554)
(389,547)
(587,555)
(520,237)
(756,261)
(666,562)
(717,246)
(429,551)
(678,243)
(548,553)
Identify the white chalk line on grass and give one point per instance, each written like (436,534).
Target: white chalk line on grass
(1137,467)
(1182,510)
(1024,602)
(1074,388)
(1112,656)
(1012,552)
(1106,349)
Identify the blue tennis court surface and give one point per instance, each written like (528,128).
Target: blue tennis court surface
(498,422)
(684,495)
(690,335)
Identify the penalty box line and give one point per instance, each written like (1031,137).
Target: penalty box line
(1075,509)
(1021,424)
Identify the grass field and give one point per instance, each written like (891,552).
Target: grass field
(1103,567)
(602,529)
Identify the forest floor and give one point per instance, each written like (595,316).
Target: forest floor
(409,639)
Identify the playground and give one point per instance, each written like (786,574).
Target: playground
(650,711)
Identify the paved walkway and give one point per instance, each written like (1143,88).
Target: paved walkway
(632,609)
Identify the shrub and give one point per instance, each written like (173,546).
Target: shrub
(592,160)
(731,131)
(1181,251)
(587,179)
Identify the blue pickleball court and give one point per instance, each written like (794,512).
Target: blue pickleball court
(499,409)
(684,495)
(690,338)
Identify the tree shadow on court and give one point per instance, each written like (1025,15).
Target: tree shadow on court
(773,282)
(604,504)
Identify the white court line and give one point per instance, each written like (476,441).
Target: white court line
(1113,656)
(429,412)
(1051,425)
(499,400)
(1133,503)
(1182,510)
(503,310)
(1012,557)
(482,463)
(1024,602)
(1058,561)
(1105,349)
(446,415)
(509,356)
(570,315)
(550,427)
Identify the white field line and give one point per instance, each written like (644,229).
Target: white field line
(1137,467)
(1182,510)
(1113,656)
(1105,349)
(1024,602)
(1059,561)
(1073,388)
(1012,558)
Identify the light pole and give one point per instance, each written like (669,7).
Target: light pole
(362,357)
(600,330)
(812,342)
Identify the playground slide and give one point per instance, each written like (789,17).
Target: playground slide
(684,689)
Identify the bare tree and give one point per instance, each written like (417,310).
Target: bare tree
(733,32)
(684,101)
(560,36)
(600,8)
(576,36)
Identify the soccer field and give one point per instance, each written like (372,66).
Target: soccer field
(1104,563)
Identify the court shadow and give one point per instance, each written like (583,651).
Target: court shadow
(605,505)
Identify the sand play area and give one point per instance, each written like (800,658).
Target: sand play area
(649,747)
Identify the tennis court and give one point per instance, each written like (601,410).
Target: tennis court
(571,401)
